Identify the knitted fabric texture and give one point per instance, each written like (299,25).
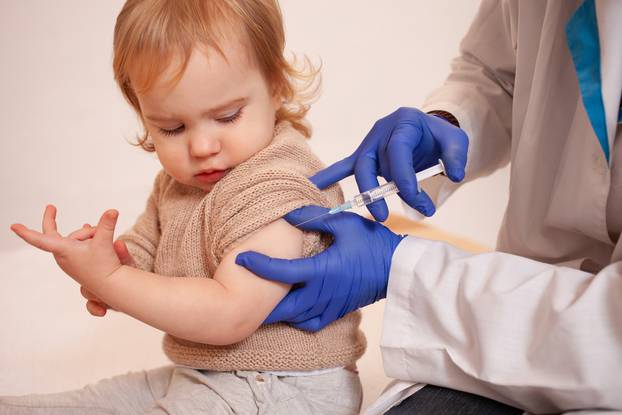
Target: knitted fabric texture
(185,231)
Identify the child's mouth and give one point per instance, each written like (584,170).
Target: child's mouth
(211,177)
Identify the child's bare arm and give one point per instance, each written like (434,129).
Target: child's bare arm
(222,310)
(253,297)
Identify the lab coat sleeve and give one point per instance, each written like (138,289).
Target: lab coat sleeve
(540,337)
(479,92)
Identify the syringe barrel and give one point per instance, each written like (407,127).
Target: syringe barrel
(372,195)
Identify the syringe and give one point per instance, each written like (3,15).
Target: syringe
(387,189)
(382,191)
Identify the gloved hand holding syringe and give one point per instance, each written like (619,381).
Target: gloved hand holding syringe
(381,192)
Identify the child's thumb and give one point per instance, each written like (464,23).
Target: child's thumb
(106,225)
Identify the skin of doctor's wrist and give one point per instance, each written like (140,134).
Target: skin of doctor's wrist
(445,115)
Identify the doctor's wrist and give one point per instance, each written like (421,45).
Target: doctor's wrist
(447,116)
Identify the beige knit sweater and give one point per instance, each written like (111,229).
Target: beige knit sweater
(185,231)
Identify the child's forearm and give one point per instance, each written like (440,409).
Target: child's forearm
(196,309)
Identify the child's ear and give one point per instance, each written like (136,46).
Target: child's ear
(277,98)
(277,102)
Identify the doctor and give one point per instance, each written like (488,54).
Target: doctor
(536,325)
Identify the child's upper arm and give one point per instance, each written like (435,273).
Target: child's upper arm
(253,297)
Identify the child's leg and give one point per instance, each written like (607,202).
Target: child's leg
(244,392)
(334,393)
(132,393)
(193,391)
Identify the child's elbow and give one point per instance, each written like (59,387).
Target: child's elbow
(233,335)
(233,330)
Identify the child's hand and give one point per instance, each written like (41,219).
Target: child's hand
(94,305)
(86,255)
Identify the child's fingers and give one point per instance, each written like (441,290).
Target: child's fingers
(92,297)
(106,225)
(37,239)
(122,253)
(83,233)
(95,309)
(49,220)
(87,294)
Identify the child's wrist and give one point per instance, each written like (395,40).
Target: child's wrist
(103,287)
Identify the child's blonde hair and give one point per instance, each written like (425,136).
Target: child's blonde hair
(150,33)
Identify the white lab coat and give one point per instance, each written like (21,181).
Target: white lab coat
(537,324)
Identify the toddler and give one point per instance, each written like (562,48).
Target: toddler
(221,109)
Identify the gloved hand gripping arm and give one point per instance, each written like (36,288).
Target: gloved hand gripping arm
(353,272)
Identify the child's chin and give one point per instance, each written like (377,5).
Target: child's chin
(205,186)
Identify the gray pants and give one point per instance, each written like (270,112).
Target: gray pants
(181,391)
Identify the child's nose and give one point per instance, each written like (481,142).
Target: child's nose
(204,144)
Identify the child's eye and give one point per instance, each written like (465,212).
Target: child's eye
(174,131)
(232,117)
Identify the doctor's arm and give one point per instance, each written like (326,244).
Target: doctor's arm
(479,93)
(479,89)
(469,116)
(523,332)
(542,337)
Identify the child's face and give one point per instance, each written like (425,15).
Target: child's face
(218,115)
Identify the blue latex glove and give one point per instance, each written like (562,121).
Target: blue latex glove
(397,146)
(353,272)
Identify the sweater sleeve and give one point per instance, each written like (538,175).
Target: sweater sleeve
(238,211)
(143,238)
(261,190)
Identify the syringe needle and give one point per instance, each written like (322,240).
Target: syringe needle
(309,220)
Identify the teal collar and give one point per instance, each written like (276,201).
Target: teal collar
(583,42)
